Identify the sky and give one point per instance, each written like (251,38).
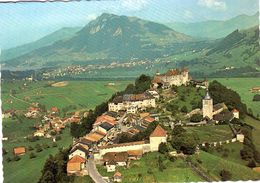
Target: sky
(28,21)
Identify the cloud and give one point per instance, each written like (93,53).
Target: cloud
(188,14)
(213,4)
(133,5)
(91,17)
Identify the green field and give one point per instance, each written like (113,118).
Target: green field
(212,133)
(213,165)
(242,87)
(146,170)
(256,131)
(82,94)
(29,170)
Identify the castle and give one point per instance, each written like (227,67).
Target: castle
(172,77)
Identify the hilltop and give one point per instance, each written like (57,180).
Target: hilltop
(215,29)
(107,37)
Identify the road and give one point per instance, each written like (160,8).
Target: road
(93,173)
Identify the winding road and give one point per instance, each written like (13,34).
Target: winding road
(93,173)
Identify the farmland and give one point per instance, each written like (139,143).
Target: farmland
(80,94)
(83,95)
(242,87)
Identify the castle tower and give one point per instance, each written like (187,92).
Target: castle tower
(207,106)
(158,136)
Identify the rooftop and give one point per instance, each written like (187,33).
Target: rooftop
(123,144)
(158,132)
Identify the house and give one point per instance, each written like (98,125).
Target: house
(223,116)
(117,177)
(112,159)
(111,166)
(78,150)
(154,93)
(144,114)
(7,114)
(131,102)
(54,110)
(147,120)
(19,151)
(157,137)
(235,113)
(39,133)
(255,89)
(76,164)
(94,137)
(105,118)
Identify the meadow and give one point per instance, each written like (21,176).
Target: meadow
(80,94)
(214,164)
(242,87)
(255,131)
(146,170)
(84,95)
(212,133)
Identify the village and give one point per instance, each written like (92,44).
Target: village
(131,114)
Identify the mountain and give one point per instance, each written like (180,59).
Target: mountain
(237,53)
(61,34)
(107,37)
(216,29)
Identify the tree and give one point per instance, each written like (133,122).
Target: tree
(184,109)
(32,155)
(124,137)
(161,166)
(4,151)
(38,148)
(221,93)
(30,148)
(16,158)
(178,130)
(251,164)
(8,159)
(48,177)
(246,153)
(54,144)
(225,175)
(185,142)
(196,118)
(163,148)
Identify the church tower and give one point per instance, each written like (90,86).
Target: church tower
(207,106)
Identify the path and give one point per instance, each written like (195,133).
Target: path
(93,173)
(199,172)
(21,100)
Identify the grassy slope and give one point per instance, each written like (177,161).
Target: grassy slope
(29,170)
(214,164)
(212,133)
(85,94)
(175,171)
(242,86)
(256,131)
(77,92)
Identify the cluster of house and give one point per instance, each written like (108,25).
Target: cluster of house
(113,155)
(33,112)
(52,122)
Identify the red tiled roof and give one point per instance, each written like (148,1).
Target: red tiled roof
(149,119)
(235,110)
(158,132)
(19,150)
(77,159)
(105,118)
(54,109)
(117,174)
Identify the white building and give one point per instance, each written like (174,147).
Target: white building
(173,77)
(132,102)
